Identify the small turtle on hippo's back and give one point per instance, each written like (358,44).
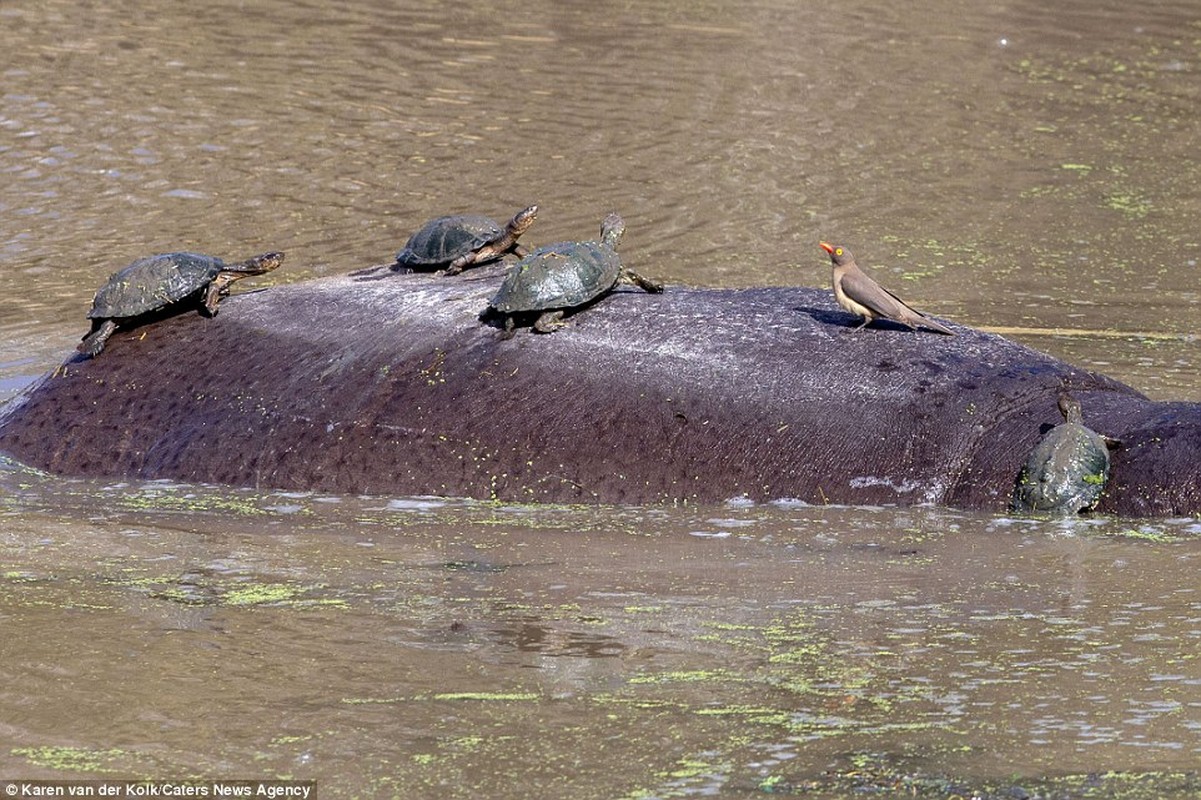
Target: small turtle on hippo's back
(456,242)
(559,278)
(156,283)
(1066,471)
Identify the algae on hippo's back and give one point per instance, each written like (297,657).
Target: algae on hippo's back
(154,283)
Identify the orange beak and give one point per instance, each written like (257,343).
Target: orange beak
(829,248)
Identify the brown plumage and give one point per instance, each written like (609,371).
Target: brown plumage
(861,295)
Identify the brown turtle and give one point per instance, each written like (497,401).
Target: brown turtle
(154,283)
(456,242)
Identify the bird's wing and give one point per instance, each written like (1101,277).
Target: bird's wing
(882,302)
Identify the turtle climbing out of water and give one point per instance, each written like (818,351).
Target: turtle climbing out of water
(858,293)
(156,282)
(557,278)
(457,242)
(1066,471)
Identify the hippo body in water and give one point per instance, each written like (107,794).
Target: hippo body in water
(390,384)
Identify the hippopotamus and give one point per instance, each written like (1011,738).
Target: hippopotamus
(386,383)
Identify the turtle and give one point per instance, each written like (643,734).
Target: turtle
(1066,471)
(156,282)
(457,242)
(559,277)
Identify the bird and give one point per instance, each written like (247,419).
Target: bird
(859,294)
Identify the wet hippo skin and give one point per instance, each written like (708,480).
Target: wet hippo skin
(390,384)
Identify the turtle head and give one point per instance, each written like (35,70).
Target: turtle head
(524,219)
(838,254)
(260,264)
(611,230)
(1070,408)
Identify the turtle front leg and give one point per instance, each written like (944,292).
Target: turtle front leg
(549,322)
(217,289)
(459,264)
(94,341)
(645,284)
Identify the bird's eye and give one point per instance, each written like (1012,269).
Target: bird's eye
(837,251)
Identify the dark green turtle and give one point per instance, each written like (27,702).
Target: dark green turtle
(152,284)
(459,241)
(1066,471)
(559,277)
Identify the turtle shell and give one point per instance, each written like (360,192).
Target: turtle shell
(154,282)
(1065,472)
(444,239)
(563,275)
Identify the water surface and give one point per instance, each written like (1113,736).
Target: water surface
(1022,167)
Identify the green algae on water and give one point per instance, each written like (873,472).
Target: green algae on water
(70,759)
(488,697)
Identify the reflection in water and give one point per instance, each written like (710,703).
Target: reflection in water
(534,637)
(1022,165)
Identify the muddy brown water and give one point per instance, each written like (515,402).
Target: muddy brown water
(1020,167)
